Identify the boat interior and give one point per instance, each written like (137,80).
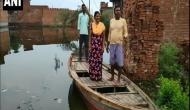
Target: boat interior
(121,92)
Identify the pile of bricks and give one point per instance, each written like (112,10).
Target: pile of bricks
(146,32)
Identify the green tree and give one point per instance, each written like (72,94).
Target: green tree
(170,96)
(15,43)
(168,61)
(74,18)
(64,16)
(105,19)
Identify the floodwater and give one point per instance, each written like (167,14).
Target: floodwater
(34,72)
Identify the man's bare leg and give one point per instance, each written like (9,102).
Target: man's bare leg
(112,73)
(119,74)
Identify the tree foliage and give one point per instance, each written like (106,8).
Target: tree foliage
(173,93)
(15,43)
(68,18)
(170,96)
(105,19)
(168,61)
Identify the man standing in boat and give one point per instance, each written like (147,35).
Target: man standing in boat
(83,23)
(117,33)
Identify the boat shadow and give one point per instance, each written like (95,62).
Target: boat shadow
(75,99)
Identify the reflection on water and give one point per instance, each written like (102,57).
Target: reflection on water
(15,42)
(33,67)
(11,40)
(57,63)
(4,43)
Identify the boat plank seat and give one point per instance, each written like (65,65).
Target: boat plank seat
(130,99)
(82,67)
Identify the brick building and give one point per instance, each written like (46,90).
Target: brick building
(36,15)
(145,29)
(175,16)
(151,22)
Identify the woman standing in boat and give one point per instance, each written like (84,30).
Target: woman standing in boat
(96,48)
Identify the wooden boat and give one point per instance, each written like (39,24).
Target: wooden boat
(108,95)
(75,98)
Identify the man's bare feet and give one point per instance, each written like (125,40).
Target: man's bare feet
(118,80)
(116,83)
(111,79)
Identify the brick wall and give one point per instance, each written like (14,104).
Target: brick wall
(54,35)
(30,15)
(34,35)
(3,16)
(29,37)
(175,16)
(33,15)
(4,41)
(36,15)
(4,44)
(50,15)
(39,35)
(146,32)
(59,35)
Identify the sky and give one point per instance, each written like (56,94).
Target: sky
(71,4)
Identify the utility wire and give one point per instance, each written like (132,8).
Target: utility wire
(85,5)
(82,1)
(87,9)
